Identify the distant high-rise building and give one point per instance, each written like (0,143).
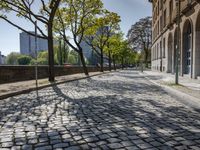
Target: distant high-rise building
(89,54)
(27,44)
(2,59)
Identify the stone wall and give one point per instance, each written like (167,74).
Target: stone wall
(21,73)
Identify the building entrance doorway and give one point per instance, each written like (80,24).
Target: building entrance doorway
(187,50)
(170,50)
(188,56)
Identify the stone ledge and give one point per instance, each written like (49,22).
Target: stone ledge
(9,74)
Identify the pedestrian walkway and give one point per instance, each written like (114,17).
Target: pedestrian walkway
(186,84)
(11,89)
(119,110)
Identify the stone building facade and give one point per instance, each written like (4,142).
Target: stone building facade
(165,28)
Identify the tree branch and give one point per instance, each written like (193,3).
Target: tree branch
(20,28)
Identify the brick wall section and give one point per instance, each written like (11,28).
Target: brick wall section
(21,73)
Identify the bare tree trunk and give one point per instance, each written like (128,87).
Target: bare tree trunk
(51,54)
(101,69)
(109,55)
(50,42)
(83,63)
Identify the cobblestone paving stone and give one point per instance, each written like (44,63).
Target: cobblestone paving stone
(120,110)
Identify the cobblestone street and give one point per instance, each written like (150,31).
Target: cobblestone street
(120,110)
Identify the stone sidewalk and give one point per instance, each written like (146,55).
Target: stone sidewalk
(186,85)
(12,89)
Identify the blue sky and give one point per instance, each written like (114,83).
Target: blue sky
(129,10)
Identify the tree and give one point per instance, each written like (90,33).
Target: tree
(123,52)
(120,50)
(43,54)
(112,47)
(134,58)
(140,37)
(24,60)
(99,34)
(73,57)
(42,58)
(61,51)
(75,18)
(44,15)
(11,59)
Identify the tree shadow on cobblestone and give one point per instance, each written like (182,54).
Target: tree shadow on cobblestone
(100,113)
(162,127)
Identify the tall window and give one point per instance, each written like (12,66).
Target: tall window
(156,51)
(152,55)
(161,24)
(170,9)
(165,14)
(160,49)
(164,48)
(161,4)
(158,54)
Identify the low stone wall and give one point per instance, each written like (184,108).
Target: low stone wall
(10,74)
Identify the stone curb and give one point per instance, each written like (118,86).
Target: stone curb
(48,85)
(186,99)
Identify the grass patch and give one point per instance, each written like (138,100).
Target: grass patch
(178,87)
(43,82)
(174,85)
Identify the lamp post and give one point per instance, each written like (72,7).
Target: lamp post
(178,2)
(36,65)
